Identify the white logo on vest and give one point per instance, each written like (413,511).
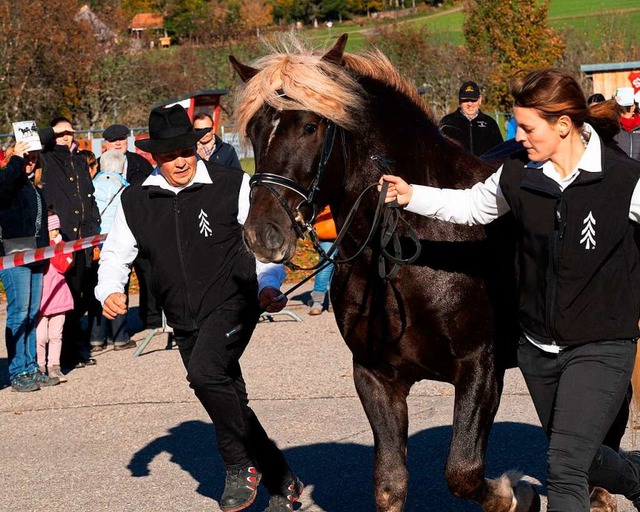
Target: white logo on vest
(204,224)
(589,232)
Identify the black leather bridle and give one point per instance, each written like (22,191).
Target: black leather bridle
(270,181)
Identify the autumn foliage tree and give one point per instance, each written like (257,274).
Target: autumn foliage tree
(510,36)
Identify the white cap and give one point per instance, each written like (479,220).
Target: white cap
(624,96)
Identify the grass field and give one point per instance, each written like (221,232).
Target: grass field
(447,21)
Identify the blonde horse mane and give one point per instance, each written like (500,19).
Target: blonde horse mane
(294,77)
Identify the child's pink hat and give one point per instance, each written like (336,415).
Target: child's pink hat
(54,222)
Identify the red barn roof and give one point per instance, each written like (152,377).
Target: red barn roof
(147,20)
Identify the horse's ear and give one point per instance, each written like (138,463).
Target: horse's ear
(246,73)
(337,51)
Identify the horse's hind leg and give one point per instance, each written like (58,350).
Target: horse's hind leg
(385,403)
(476,404)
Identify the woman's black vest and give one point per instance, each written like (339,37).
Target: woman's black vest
(578,263)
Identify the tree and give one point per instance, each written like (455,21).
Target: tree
(511,36)
(428,62)
(256,14)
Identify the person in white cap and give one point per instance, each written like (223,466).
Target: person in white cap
(629,136)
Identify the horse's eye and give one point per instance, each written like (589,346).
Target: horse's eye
(310,128)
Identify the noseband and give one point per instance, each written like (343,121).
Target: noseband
(308,195)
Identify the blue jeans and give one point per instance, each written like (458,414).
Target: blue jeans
(24,291)
(323,278)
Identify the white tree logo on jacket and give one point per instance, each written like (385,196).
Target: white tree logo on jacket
(204,224)
(589,232)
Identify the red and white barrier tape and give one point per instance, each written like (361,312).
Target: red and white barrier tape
(44,253)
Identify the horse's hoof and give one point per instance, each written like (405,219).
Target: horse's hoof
(526,496)
(602,501)
(511,494)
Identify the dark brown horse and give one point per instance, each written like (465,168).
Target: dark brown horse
(435,319)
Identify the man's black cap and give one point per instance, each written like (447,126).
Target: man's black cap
(116,132)
(469,91)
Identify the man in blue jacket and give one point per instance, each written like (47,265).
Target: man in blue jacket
(211,147)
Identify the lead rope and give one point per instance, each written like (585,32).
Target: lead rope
(390,219)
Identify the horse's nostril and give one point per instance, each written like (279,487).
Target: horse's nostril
(273,238)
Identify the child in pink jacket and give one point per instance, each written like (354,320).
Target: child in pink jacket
(56,300)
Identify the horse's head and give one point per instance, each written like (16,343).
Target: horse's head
(294,129)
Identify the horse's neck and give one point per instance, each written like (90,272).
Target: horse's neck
(404,133)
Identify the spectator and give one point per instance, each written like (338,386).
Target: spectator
(595,98)
(576,201)
(109,185)
(512,128)
(628,137)
(56,301)
(68,190)
(92,161)
(326,231)
(137,169)
(468,125)
(187,216)
(211,148)
(22,226)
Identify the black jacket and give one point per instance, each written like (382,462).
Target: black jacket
(224,154)
(194,243)
(578,263)
(68,189)
(478,135)
(19,205)
(138,168)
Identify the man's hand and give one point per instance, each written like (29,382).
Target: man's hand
(116,304)
(267,298)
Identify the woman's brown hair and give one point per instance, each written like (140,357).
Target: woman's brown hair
(554,92)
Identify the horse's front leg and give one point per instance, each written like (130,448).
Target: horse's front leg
(385,403)
(476,404)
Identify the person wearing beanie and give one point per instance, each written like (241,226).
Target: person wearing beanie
(468,125)
(56,301)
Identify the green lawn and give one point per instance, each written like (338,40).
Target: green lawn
(447,22)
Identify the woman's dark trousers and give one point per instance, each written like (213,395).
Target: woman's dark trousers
(577,395)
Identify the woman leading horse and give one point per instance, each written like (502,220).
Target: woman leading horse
(576,201)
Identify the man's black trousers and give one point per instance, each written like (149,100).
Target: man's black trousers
(213,371)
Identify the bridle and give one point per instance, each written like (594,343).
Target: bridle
(389,220)
(308,195)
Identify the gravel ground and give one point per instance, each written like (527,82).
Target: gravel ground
(128,434)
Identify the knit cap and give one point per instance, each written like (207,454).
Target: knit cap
(54,222)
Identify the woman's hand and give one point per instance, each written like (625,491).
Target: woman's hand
(399,190)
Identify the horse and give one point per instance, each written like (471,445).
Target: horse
(324,127)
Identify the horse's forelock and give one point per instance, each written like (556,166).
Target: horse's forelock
(299,79)
(300,82)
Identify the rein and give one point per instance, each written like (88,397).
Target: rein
(387,221)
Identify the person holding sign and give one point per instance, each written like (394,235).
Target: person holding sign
(23,225)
